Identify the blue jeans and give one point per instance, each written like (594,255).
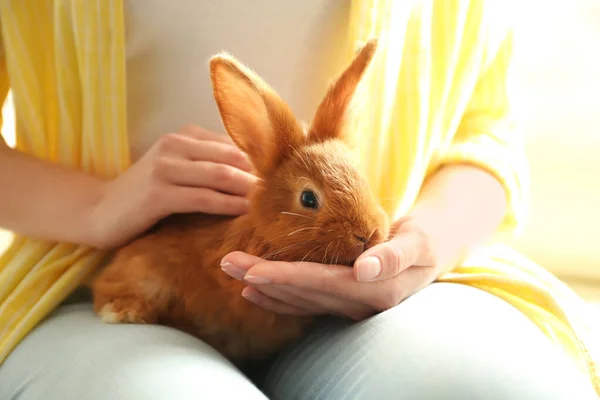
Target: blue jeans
(448,341)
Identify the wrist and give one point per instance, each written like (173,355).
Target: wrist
(95,220)
(458,209)
(442,241)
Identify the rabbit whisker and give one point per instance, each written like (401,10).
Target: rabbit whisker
(296,215)
(307,254)
(303,229)
(326,250)
(276,252)
(283,249)
(287,234)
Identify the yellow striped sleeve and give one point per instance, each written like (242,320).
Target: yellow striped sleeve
(68,80)
(488,136)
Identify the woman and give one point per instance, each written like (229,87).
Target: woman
(441,153)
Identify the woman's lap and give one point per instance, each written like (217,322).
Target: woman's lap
(73,355)
(446,342)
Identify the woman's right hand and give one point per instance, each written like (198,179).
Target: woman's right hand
(193,170)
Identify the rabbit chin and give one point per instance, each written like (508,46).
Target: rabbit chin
(340,251)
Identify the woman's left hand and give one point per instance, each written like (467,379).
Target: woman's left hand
(380,279)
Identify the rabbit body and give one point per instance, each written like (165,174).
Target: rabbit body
(172,276)
(311,204)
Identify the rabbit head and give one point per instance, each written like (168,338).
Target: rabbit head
(312,203)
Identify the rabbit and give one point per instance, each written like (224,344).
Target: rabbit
(311,204)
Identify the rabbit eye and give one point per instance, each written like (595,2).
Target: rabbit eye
(309,199)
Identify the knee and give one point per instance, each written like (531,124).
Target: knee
(418,368)
(420,351)
(75,356)
(164,368)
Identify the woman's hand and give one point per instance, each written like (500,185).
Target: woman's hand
(193,170)
(381,278)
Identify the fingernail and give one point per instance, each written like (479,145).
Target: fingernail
(368,269)
(249,296)
(233,270)
(257,280)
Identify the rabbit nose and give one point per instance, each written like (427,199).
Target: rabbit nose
(367,242)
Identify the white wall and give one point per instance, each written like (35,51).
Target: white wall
(557,65)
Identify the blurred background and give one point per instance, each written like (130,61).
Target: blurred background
(557,72)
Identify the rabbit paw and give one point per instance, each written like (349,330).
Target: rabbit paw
(119,312)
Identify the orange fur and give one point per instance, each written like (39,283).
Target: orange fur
(172,276)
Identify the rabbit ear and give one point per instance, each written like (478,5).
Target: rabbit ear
(331,114)
(255,117)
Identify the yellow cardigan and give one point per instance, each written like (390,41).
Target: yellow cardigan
(436,94)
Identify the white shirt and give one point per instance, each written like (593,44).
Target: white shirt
(296,46)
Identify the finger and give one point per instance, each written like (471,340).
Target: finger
(335,280)
(388,259)
(182,199)
(287,296)
(200,133)
(219,153)
(254,296)
(206,174)
(237,264)
(192,148)
(317,302)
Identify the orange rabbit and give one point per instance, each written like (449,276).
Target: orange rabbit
(312,204)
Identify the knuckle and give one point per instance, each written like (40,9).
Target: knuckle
(205,200)
(236,155)
(330,287)
(160,167)
(232,205)
(167,143)
(189,128)
(394,258)
(222,172)
(196,131)
(226,202)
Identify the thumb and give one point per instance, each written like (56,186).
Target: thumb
(387,259)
